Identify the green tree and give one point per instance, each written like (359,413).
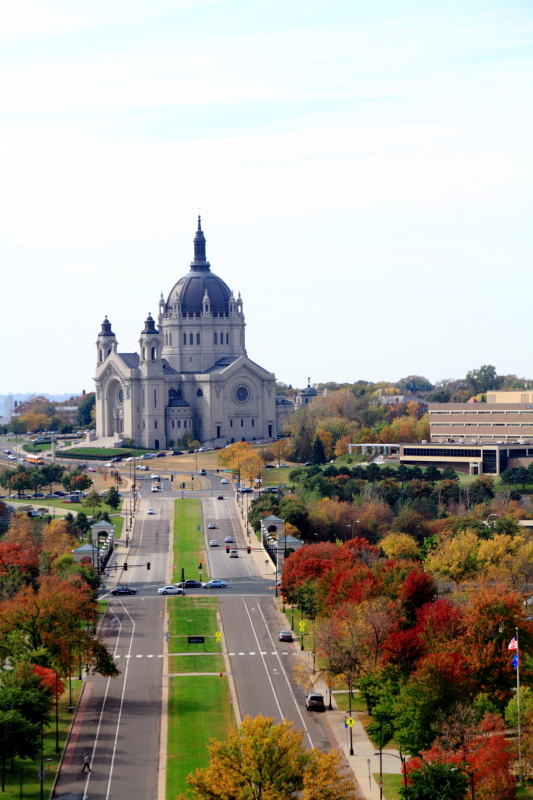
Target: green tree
(432,474)
(18,737)
(522,475)
(52,474)
(16,426)
(435,781)
(318,454)
(92,501)
(83,414)
(65,427)
(82,523)
(373,472)
(403,474)
(483,379)
(449,474)
(112,498)
(54,423)
(508,476)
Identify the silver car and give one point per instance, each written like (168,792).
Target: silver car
(170,590)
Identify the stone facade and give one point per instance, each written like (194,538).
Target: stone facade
(192,373)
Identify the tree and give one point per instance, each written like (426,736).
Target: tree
(66,427)
(92,501)
(280,449)
(52,473)
(400,545)
(432,474)
(264,761)
(483,379)
(508,476)
(112,498)
(522,476)
(436,781)
(403,474)
(318,454)
(449,474)
(18,737)
(83,414)
(373,472)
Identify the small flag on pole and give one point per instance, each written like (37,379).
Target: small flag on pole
(513,644)
(515,660)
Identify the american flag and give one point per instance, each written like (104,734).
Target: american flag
(513,644)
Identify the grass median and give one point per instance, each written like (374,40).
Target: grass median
(188,540)
(199,706)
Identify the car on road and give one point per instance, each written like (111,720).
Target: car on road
(228,539)
(286,636)
(91,469)
(270,466)
(315,702)
(170,590)
(141,467)
(220,497)
(233,554)
(37,494)
(215,584)
(160,455)
(190,583)
(108,464)
(150,511)
(8,452)
(176,453)
(154,476)
(211,526)
(11,458)
(213,543)
(224,480)
(246,490)
(149,455)
(122,590)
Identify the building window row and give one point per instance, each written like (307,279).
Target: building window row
(191,339)
(168,339)
(220,338)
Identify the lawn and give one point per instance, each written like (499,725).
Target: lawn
(193,616)
(391,786)
(197,663)
(44,502)
(31,783)
(343,701)
(199,709)
(277,476)
(199,705)
(188,539)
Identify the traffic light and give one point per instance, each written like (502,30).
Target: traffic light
(218,470)
(200,566)
(125,567)
(147,565)
(192,477)
(249,549)
(183,485)
(227,548)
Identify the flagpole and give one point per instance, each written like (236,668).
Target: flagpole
(520,775)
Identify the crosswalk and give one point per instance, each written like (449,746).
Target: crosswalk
(162,655)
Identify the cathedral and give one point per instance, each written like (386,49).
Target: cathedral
(191,375)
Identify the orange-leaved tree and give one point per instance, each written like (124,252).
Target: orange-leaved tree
(264,761)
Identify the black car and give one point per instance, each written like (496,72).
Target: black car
(189,584)
(123,590)
(176,453)
(191,451)
(116,459)
(160,455)
(220,497)
(315,702)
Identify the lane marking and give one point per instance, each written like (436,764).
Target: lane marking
(264,663)
(287,680)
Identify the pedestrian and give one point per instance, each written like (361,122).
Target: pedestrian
(86,762)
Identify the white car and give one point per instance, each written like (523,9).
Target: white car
(109,464)
(150,511)
(224,480)
(215,584)
(211,526)
(170,590)
(154,477)
(233,554)
(213,543)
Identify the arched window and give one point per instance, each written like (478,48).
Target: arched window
(155,398)
(199,423)
(197,338)
(155,423)
(101,355)
(184,338)
(144,424)
(227,338)
(179,423)
(170,339)
(172,423)
(154,353)
(207,308)
(215,338)
(199,393)
(144,399)
(184,423)
(144,353)
(191,338)
(221,338)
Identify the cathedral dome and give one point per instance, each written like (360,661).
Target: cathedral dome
(188,293)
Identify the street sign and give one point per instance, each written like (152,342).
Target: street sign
(350,722)
(218,636)
(302,625)
(173,566)
(196,639)
(197,527)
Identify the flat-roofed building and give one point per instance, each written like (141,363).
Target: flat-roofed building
(473,458)
(481,422)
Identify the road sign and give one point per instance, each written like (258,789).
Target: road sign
(197,527)
(302,625)
(350,722)
(173,566)
(196,639)
(218,636)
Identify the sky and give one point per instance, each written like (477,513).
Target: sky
(363,170)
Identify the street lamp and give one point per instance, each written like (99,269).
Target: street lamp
(402,759)
(470,774)
(350,527)
(33,764)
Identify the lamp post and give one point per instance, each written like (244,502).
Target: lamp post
(350,527)
(350,711)
(32,764)
(470,774)
(402,759)
(57,718)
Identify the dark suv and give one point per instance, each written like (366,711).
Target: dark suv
(315,702)
(123,590)
(189,584)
